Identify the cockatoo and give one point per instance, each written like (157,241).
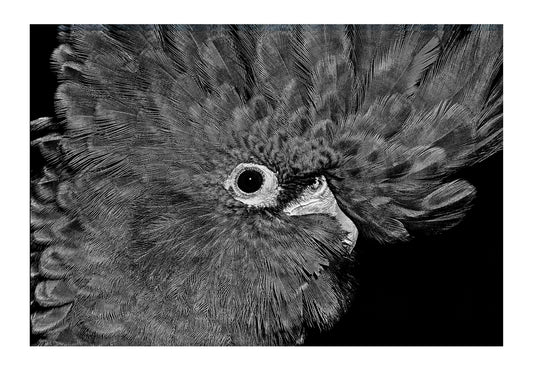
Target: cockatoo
(207,185)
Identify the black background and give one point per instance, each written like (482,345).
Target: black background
(442,290)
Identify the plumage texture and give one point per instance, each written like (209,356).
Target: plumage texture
(136,241)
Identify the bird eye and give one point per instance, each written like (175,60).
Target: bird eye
(250,180)
(253,184)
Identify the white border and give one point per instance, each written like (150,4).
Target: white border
(19,359)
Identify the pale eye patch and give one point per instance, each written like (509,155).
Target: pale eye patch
(253,184)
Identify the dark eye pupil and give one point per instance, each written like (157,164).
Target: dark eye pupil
(250,181)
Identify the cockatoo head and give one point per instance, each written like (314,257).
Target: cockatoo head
(252,226)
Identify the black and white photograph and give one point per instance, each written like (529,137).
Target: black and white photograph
(266,185)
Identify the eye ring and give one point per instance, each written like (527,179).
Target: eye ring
(253,184)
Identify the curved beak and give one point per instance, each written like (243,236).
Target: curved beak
(322,201)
